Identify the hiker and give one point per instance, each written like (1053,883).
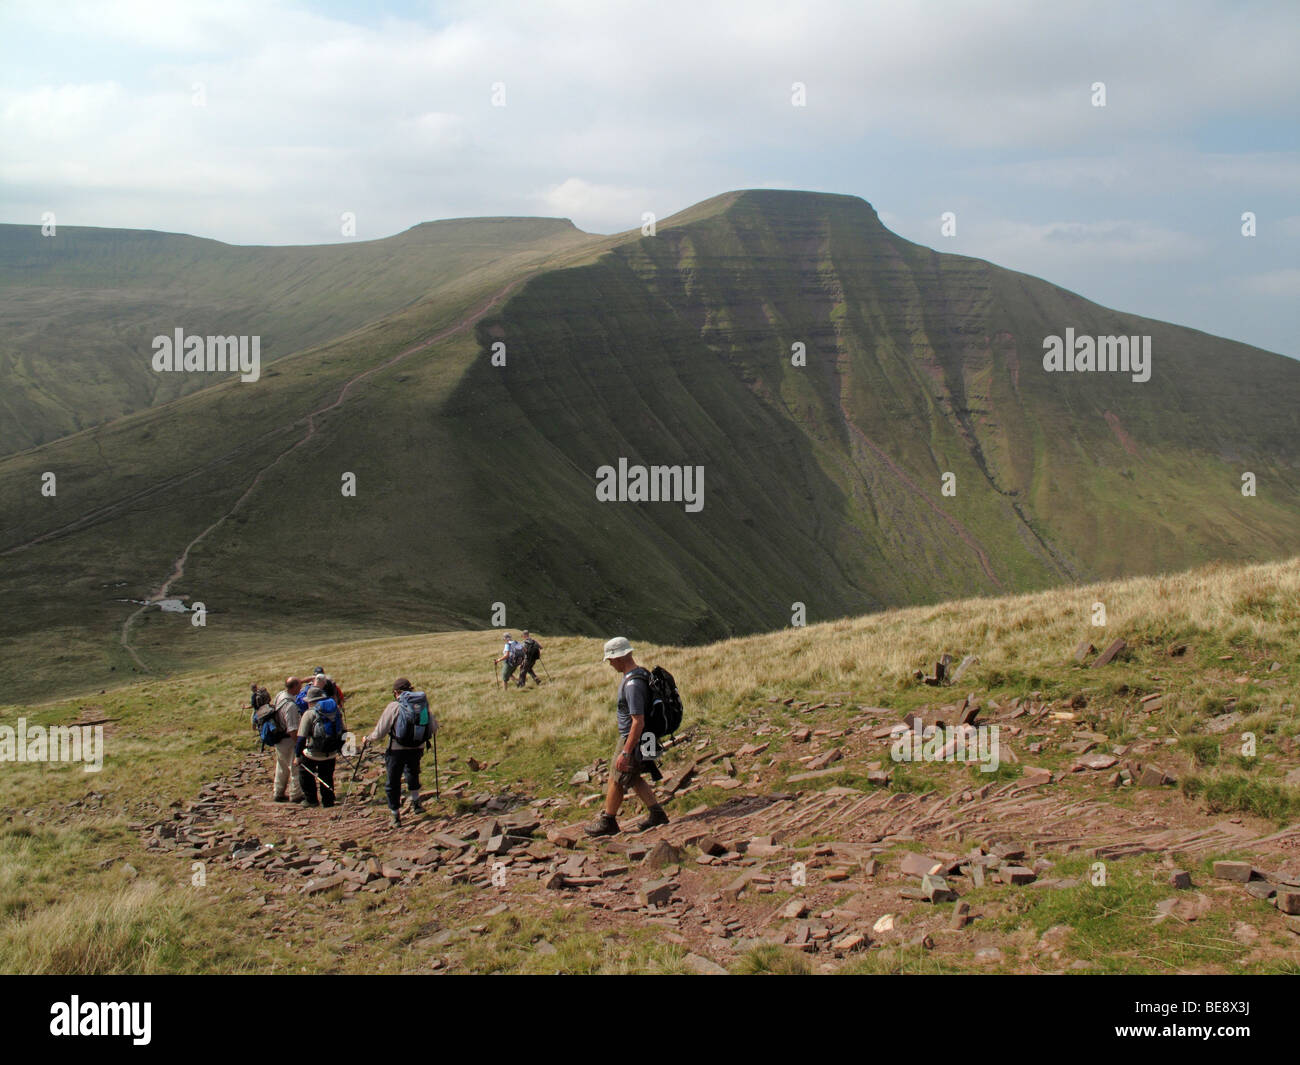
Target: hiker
(532,652)
(287,787)
(627,766)
(320,738)
(307,685)
(409,726)
(511,654)
(331,688)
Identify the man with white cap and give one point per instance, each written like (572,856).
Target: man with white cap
(633,701)
(511,654)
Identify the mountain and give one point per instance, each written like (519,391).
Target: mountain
(824,483)
(79,309)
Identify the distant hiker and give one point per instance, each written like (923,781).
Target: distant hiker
(320,738)
(409,725)
(627,766)
(512,654)
(532,652)
(330,686)
(287,716)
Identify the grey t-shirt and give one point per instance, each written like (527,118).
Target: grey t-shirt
(633,699)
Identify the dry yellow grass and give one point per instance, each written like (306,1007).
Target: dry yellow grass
(874,654)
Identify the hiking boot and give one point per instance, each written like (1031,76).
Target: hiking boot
(417,807)
(657,817)
(310,802)
(280,798)
(395,818)
(604,825)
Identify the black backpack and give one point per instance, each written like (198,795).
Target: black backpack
(663,716)
(532,649)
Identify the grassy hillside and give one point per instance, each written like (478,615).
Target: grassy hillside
(475,481)
(79,310)
(137,909)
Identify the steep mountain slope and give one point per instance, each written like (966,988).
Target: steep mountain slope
(476,482)
(918,364)
(79,309)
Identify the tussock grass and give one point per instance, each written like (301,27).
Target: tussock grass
(137,929)
(1236,792)
(769,959)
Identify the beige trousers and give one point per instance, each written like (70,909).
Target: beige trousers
(285,778)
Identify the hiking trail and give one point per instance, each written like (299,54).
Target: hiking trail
(178,568)
(830,873)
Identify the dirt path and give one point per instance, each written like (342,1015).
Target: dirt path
(178,569)
(752,845)
(830,873)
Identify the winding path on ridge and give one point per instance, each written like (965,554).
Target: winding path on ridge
(178,569)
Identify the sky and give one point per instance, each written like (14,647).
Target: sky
(266,122)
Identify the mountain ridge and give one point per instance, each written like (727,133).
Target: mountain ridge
(824,480)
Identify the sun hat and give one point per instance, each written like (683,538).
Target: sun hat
(617,648)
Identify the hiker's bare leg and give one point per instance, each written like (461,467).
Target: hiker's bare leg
(613,798)
(645,792)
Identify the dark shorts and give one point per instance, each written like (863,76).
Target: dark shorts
(628,779)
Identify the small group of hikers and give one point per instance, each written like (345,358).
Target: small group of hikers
(304,724)
(519,654)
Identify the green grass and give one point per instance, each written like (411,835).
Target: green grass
(1237,792)
(771,960)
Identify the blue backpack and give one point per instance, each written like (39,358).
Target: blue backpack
(414,724)
(327,729)
(265,720)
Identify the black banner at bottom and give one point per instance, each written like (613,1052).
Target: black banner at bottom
(156,1013)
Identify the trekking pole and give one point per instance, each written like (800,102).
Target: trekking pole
(546,671)
(356,768)
(360,755)
(318,779)
(437,791)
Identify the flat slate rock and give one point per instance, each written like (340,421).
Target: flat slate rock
(698,963)
(1107,656)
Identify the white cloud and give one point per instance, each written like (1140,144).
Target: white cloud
(597,208)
